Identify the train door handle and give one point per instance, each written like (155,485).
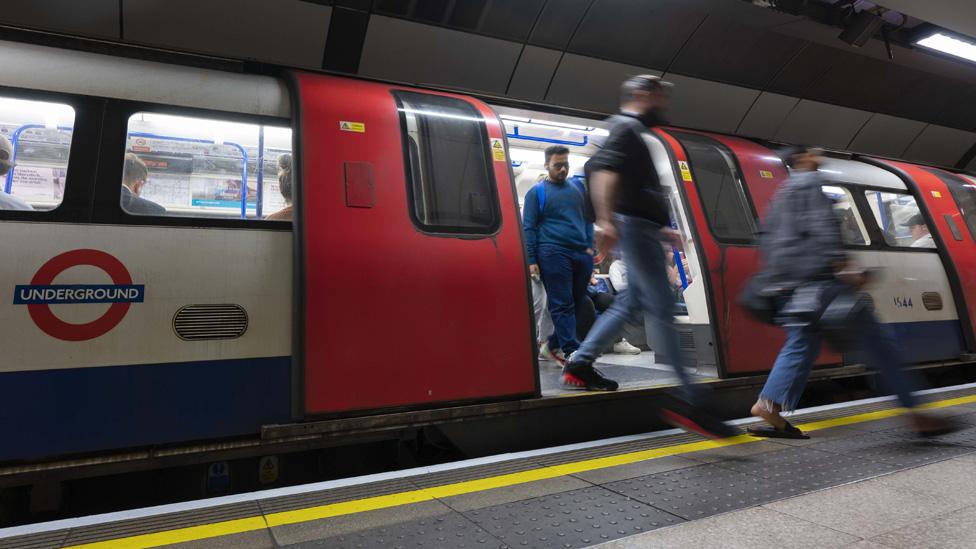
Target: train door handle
(932,301)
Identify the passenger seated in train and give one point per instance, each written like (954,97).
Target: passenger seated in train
(284,187)
(921,237)
(8,201)
(601,293)
(134,177)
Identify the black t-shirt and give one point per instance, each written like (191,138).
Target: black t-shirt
(625,153)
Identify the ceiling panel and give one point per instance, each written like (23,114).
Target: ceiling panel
(405,51)
(510,19)
(814,123)
(940,145)
(766,116)
(592,84)
(99,18)
(732,52)
(708,105)
(885,135)
(647,34)
(804,70)
(557,23)
(533,73)
(244,29)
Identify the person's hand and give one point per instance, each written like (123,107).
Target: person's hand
(606,236)
(673,237)
(590,251)
(534,271)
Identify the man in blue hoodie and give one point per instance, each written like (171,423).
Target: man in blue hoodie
(559,241)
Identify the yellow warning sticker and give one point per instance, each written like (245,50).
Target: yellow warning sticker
(685,172)
(346,126)
(765,174)
(936,194)
(498,150)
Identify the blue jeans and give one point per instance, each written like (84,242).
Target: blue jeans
(566,274)
(878,352)
(648,292)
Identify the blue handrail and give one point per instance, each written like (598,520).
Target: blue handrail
(260,183)
(211,142)
(516,135)
(14,139)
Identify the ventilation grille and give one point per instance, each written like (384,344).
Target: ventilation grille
(196,322)
(932,301)
(686,340)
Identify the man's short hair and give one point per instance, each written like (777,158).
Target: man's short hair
(642,82)
(553,150)
(134,168)
(6,155)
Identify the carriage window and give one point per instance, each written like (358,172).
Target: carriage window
(720,185)
(201,167)
(450,182)
(900,220)
(35,140)
(963,191)
(851,226)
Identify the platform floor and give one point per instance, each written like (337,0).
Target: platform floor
(631,371)
(861,480)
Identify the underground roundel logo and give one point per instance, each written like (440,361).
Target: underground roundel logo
(40,294)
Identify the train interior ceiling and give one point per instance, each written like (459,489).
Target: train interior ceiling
(196,166)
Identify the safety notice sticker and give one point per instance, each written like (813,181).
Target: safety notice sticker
(346,126)
(765,174)
(497,150)
(685,172)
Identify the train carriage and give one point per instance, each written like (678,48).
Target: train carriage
(400,284)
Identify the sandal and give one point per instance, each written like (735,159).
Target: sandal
(788,431)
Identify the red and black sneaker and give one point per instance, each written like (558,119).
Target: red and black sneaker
(584,377)
(683,416)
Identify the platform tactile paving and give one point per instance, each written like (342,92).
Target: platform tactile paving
(698,492)
(449,531)
(577,518)
(895,447)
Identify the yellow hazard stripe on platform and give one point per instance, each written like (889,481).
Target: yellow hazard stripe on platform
(282,518)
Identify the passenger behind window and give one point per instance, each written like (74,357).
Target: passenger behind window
(921,237)
(134,176)
(284,187)
(7,201)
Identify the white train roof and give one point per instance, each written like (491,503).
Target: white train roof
(54,69)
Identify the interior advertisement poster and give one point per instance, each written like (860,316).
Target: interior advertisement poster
(38,184)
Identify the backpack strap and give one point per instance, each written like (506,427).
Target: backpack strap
(540,194)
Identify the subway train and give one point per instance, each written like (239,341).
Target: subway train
(399,283)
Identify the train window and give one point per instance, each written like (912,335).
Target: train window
(851,226)
(901,222)
(202,167)
(450,183)
(34,149)
(721,188)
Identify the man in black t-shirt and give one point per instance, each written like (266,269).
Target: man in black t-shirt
(631,207)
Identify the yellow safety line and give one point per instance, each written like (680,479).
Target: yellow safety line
(249,524)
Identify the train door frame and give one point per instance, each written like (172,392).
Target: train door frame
(907,173)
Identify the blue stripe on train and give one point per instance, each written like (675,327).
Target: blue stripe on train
(49,413)
(929,341)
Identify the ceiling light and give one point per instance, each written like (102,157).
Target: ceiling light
(947,44)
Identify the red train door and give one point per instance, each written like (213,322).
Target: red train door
(413,280)
(728,183)
(949,203)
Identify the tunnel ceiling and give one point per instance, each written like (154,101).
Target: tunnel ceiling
(739,67)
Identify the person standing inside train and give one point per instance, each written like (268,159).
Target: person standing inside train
(559,242)
(805,261)
(631,207)
(9,201)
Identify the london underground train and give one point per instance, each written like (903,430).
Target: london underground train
(399,282)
